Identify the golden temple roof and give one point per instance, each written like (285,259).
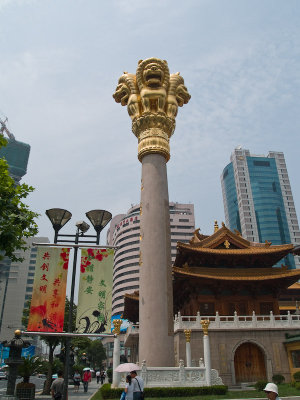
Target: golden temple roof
(225,248)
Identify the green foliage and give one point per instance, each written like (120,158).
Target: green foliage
(29,367)
(260,385)
(96,353)
(16,219)
(109,375)
(296,376)
(297,385)
(278,379)
(108,393)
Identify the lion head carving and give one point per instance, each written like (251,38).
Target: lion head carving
(182,95)
(127,94)
(152,73)
(126,87)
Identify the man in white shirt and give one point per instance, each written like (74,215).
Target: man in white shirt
(138,386)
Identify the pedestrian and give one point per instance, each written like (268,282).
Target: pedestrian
(102,377)
(98,376)
(57,386)
(87,377)
(271,391)
(129,388)
(138,386)
(76,379)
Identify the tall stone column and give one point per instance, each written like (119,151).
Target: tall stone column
(116,353)
(152,97)
(188,333)
(206,347)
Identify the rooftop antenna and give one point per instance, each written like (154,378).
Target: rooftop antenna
(3,128)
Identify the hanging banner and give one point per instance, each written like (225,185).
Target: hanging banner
(95,291)
(47,309)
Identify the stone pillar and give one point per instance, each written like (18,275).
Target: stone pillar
(156,297)
(116,354)
(187,333)
(152,97)
(206,348)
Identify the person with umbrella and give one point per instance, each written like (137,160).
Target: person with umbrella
(87,377)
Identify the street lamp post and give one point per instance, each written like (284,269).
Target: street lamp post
(59,217)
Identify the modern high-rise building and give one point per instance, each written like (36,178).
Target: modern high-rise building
(16,288)
(258,200)
(16,278)
(124,233)
(16,154)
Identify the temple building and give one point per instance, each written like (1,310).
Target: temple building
(232,282)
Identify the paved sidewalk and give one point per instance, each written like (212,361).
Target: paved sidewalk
(81,395)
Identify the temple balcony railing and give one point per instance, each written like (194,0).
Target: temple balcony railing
(235,321)
(230,322)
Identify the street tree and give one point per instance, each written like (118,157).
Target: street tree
(96,353)
(16,219)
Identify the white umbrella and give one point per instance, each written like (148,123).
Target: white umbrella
(127,367)
(86,369)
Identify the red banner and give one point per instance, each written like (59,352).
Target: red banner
(49,291)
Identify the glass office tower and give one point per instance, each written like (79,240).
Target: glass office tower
(258,200)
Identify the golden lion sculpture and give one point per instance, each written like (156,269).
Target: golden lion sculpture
(152,90)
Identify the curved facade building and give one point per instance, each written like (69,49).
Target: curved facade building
(124,233)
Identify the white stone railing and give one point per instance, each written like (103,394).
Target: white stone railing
(175,376)
(231,322)
(238,322)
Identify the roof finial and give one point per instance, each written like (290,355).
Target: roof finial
(216,226)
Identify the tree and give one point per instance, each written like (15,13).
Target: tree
(16,220)
(96,353)
(29,367)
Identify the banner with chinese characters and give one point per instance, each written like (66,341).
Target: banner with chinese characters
(95,290)
(47,309)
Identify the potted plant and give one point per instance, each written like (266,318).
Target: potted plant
(26,389)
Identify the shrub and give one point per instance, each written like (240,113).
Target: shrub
(260,385)
(296,376)
(297,385)
(109,375)
(278,379)
(108,393)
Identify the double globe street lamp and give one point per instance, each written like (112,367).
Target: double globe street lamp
(59,217)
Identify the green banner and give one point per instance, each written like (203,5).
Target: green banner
(95,291)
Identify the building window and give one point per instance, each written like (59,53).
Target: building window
(261,163)
(296,358)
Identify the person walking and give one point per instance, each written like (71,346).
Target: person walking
(76,379)
(98,376)
(129,388)
(138,386)
(87,377)
(271,391)
(57,386)
(102,377)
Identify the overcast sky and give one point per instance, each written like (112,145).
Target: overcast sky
(59,66)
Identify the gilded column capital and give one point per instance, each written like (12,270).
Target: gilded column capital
(152,97)
(205,324)
(117,326)
(188,333)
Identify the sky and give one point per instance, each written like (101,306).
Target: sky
(60,64)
